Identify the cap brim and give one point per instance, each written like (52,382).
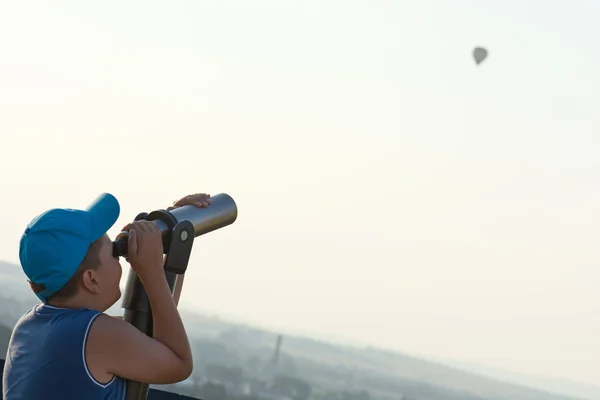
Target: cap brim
(104,212)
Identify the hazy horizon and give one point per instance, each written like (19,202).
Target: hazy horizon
(389,190)
(344,341)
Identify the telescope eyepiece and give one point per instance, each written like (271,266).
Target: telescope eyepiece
(120,245)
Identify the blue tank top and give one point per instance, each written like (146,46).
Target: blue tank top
(46,358)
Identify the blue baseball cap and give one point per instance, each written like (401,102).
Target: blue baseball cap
(55,243)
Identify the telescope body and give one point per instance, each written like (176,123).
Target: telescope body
(221,212)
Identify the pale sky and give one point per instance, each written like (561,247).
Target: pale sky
(389,191)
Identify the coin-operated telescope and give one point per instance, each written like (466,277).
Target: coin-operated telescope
(179,227)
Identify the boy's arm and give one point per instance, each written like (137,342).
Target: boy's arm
(176,292)
(116,347)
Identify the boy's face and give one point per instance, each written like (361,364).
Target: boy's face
(109,271)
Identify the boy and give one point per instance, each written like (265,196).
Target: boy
(66,347)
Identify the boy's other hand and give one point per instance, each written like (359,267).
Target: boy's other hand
(144,247)
(199,200)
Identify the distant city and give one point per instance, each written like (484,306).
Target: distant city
(239,362)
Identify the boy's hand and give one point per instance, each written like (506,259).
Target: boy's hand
(145,247)
(198,200)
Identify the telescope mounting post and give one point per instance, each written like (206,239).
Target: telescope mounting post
(178,247)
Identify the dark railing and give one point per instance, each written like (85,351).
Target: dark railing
(153,394)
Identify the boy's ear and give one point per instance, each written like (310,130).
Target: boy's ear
(89,280)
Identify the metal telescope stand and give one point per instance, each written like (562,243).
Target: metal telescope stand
(177,247)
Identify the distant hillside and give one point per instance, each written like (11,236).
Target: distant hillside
(561,386)
(382,373)
(4,338)
(369,366)
(14,282)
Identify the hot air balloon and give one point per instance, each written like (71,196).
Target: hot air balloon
(479,54)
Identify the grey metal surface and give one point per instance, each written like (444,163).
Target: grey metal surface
(221,212)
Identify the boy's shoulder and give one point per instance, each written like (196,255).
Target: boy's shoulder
(48,312)
(47,320)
